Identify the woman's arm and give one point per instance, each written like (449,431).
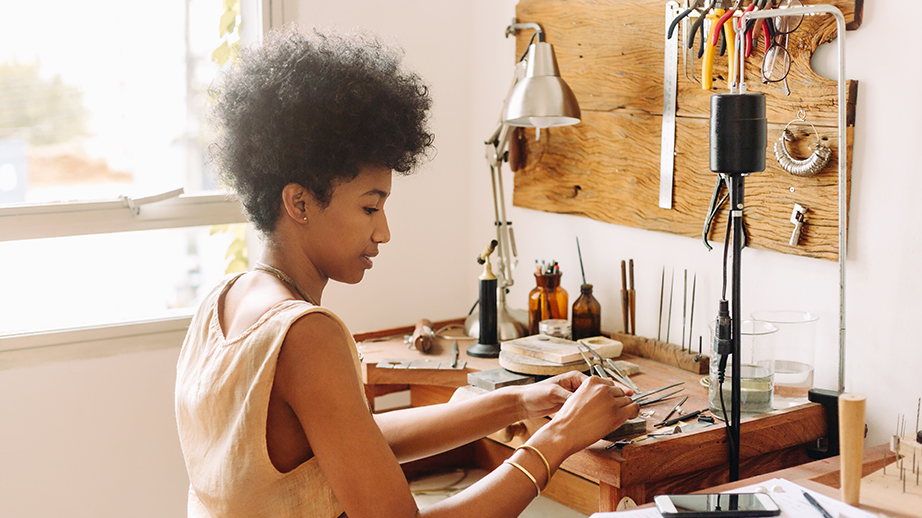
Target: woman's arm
(316,377)
(415,433)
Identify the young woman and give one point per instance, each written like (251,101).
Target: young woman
(269,402)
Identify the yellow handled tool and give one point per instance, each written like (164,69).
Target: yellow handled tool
(710,50)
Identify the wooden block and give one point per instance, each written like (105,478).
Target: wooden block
(662,352)
(635,426)
(497,378)
(534,366)
(427,364)
(558,350)
(537,367)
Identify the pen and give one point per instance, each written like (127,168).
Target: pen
(674,409)
(677,420)
(817,505)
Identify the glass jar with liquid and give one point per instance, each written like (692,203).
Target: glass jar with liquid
(587,314)
(757,355)
(795,344)
(547,301)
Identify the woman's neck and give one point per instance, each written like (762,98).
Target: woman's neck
(304,274)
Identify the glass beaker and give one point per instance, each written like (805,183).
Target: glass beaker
(795,349)
(757,355)
(547,301)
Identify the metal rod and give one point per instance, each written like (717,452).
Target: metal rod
(642,395)
(580,253)
(737,183)
(662,289)
(669,316)
(684,306)
(691,316)
(842,151)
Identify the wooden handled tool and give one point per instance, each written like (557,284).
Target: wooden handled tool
(625,302)
(851,445)
(423,336)
(631,297)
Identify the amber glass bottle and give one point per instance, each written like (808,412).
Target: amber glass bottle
(546,301)
(587,314)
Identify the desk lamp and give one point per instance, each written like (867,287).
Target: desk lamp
(538,98)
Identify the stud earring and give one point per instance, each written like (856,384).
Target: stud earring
(808,166)
(304,218)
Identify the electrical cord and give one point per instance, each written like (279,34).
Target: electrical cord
(723,408)
(724,322)
(726,253)
(532,40)
(724,330)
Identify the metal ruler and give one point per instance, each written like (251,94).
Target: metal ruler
(670,73)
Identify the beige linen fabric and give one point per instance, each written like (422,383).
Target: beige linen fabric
(222,398)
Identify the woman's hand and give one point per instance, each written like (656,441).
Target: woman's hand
(546,397)
(592,411)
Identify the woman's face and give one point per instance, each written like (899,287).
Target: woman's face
(344,236)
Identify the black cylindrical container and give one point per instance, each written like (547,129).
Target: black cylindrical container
(488,344)
(488,313)
(739,133)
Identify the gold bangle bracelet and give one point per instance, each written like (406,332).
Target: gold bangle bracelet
(543,458)
(527,474)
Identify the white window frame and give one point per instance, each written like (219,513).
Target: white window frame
(168,210)
(44,220)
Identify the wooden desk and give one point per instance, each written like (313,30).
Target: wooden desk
(823,476)
(682,463)
(427,387)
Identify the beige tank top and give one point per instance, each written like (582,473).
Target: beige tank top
(222,401)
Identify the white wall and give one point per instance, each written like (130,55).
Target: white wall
(91,438)
(418,274)
(97,437)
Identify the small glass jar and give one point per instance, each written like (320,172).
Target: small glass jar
(547,301)
(557,327)
(587,314)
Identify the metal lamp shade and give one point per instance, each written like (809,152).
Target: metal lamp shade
(542,99)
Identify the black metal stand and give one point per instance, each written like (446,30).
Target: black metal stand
(488,345)
(738,131)
(737,191)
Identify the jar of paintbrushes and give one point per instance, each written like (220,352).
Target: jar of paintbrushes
(548,300)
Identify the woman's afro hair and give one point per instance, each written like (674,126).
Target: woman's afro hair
(314,109)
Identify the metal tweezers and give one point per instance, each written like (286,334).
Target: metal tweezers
(609,370)
(643,395)
(618,375)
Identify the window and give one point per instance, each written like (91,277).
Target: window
(107,212)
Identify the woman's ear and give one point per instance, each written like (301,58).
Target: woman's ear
(296,201)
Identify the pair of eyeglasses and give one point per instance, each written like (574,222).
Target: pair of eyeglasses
(776,64)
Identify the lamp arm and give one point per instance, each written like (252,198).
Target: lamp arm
(515,26)
(495,154)
(507,255)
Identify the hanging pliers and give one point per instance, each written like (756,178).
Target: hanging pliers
(698,26)
(714,206)
(679,18)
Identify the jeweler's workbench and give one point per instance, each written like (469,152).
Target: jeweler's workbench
(596,479)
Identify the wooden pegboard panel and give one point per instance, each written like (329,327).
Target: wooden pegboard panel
(607,167)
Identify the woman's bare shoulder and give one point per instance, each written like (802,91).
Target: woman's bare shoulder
(247,300)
